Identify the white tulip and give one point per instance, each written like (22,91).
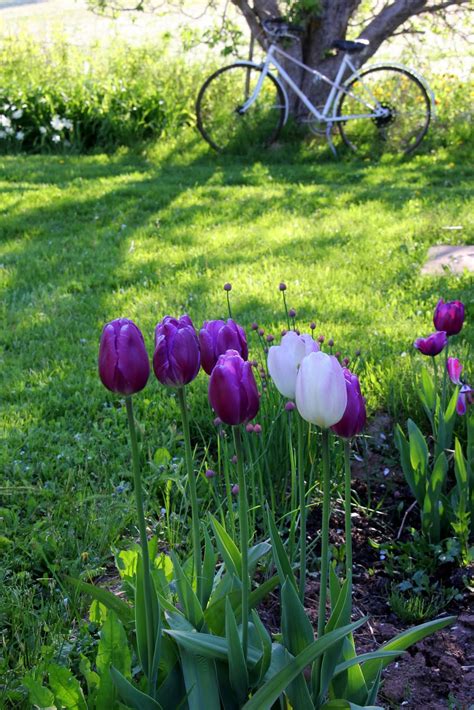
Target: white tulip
(284,360)
(321,395)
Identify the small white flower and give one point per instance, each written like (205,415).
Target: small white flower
(386,471)
(9,131)
(67,124)
(3,134)
(5,121)
(57,123)
(43,130)
(56,138)
(17,114)
(20,135)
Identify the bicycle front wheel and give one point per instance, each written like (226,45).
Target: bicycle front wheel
(401,125)
(234,115)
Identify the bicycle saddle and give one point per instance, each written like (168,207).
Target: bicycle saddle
(348,46)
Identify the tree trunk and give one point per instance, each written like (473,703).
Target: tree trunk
(327,23)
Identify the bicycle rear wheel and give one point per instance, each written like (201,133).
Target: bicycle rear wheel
(221,118)
(407,111)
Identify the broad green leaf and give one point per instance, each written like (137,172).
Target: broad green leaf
(340,616)
(238,674)
(187,596)
(431,508)
(268,693)
(416,487)
(200,680)
(364,657)
(418,448)
(141,619)
(210,646)
(280,557)
(92,679)
(350,683)
(113,650)
(126,563)
(97,612)
(38,695)
(266,646)
(119,607)
(296,627)
(208,570)
(228,549)
(66,688)
(404,641)
(428,392)
(131,695)
(450,418)
(256,553)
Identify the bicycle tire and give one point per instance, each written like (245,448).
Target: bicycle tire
(219,119)
(403,129)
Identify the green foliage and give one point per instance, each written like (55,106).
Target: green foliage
(59,98)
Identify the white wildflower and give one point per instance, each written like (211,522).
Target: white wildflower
(43,130)
(20,135)
(5,122)
(17,114)
(67,124)
(57,123)
(56,138)
(3,134)
(9,130)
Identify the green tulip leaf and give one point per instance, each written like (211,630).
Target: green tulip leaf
(238,674)
(210,646)
(187,596)
(131,695)
(228,549)
(402,642)
(208,570)
(418,448)
(280,557)
(273,688)
(119,607)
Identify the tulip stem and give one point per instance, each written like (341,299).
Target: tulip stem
(228,304)
(347,511)
(192,490)
(244,538)
(302,501)
(445,377)
(147,588)
(324,535)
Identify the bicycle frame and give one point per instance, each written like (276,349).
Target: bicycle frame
(336,89)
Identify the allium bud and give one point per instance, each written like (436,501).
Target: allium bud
(235,489)
(254,326)
(282,286)
(227,287)
(292,313)
(257,429)
(210,473)
(290,406)
(330,342)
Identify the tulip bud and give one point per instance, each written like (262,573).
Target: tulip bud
(284,360)
(233,391)
(433,344)
(216,337)
(176,360)
(465,396)
(449,316)
(454,369)
(123,360)
(321,395)
(353,419)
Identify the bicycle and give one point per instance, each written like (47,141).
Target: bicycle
(382,108)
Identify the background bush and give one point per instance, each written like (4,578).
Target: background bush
(61,97)
(56,97)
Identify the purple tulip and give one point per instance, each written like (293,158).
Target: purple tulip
(176,360)
(353,419)
(123,360)
(433,344)
(464,397)
(449,316)
(216,337)
(454,369)
(233,391)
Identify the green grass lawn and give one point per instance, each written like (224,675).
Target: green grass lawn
(88,239)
